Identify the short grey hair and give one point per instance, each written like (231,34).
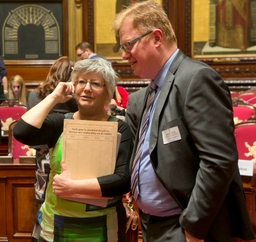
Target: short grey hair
(100,66)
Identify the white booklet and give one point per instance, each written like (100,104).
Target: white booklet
(90,149)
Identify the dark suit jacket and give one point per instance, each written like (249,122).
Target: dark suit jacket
(199,170)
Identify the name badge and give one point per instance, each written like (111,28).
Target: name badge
(171,135)
(246,167)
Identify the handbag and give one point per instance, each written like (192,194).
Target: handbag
(131,214)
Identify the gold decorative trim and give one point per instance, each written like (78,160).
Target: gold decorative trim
(78,3)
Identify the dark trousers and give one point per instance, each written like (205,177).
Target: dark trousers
(42,240)
(161,229)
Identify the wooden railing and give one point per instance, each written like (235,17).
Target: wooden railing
(35,72)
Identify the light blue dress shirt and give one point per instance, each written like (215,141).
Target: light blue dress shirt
(153,198)
(92,55)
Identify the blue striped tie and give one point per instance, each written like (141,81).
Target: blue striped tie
(145,119)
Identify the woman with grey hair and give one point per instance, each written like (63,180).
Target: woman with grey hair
(93,83)
(100,66)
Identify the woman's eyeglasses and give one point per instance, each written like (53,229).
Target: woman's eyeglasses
(93,84)
(127,47)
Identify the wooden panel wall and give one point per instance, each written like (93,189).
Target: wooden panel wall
(33,72)
(239,75)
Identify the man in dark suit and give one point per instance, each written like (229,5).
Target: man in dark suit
(188,186)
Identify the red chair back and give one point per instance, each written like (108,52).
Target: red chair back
(234,94)
(245,134)
(10,114)
(243,112)
(17,149)
(249,97)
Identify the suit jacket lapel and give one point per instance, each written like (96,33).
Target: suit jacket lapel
(159,107)
(165,92)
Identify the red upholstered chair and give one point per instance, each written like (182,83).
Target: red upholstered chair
(234,94)
(237,101)
(249,97)
(245,134)
(17,149)
(8,114)
(243,112)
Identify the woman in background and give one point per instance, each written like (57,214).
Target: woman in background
(118,103)
(17,89)
(59,71)
(121,97)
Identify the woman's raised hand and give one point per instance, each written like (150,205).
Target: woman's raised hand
(63,92)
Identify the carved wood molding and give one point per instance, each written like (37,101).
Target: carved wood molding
(88,21)
(236,70)
(187,23)
(165,5)
(240,84)
(78,3)
(243,71)
(124,72)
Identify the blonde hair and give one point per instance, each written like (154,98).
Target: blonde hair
(146,16)
(19,80)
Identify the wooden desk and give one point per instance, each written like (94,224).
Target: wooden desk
(4,145)
(17,202)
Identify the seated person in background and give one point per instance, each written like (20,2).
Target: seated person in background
(59,71)
(93,82)
(17,89)
(121,97)
(119,101)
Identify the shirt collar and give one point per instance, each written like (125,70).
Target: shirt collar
(92,55)
(160,77)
